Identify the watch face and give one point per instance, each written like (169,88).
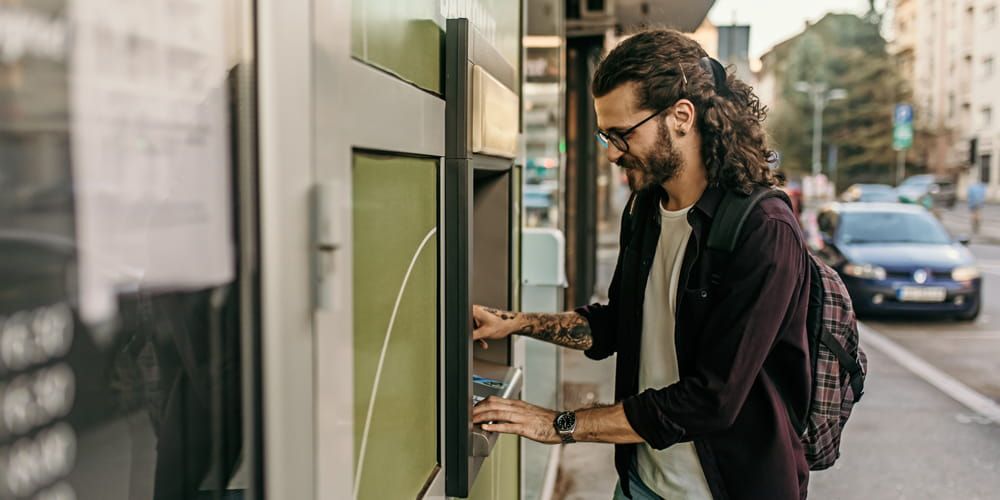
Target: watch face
(565,422)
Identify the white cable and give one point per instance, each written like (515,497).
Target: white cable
(381,361)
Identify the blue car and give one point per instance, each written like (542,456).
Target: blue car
(898,259)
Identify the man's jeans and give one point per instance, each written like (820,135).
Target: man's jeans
(637,488)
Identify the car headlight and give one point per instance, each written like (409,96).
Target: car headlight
(965,273)
(866,271)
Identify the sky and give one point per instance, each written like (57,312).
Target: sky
(773,21)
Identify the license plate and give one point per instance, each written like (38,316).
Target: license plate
(922,294)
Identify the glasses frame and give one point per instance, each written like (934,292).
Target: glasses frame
(614,138)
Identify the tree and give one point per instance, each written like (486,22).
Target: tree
(843,51)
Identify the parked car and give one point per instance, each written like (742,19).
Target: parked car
(897,258)
(868,193)
(928,190)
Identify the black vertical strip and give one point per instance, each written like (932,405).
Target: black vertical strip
(581,223)
(457,251)
(456,89)
(249,318)
(458,321)
(216,299)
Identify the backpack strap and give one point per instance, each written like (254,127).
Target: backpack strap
(732,213)
(847,361)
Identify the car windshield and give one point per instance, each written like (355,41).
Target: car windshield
(878,195)
(917,181)
(891,227)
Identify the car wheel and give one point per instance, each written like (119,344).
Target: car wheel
(971,314)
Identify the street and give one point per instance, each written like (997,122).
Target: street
(957,221)
(969,352)
(929,423)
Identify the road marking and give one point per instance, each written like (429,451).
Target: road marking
(952,335)
(942,381)
(989,266)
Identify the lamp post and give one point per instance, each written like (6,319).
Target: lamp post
(820,96)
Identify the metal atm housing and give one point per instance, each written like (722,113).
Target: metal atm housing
(481,193)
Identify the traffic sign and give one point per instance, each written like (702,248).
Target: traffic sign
(902,130)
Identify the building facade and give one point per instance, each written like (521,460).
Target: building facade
(947,50)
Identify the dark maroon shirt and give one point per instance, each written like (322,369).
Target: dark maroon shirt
(737,341)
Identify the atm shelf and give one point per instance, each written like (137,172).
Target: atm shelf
(481,441)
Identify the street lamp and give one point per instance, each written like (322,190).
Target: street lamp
(820,96)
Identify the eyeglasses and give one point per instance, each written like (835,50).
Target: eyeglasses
(618,138)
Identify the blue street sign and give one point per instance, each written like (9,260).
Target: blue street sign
(903,114)
(902,130)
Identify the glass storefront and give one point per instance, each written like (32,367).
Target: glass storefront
(124,299)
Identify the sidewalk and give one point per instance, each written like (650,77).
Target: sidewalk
(958,223)
(906,440)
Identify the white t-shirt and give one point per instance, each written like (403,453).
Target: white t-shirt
(676,471)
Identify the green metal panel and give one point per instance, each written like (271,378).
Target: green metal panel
(400,36)
(406,37)
(498,479)
(395,209)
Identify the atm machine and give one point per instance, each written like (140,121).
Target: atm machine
(481,231)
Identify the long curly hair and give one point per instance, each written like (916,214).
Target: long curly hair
(666,66)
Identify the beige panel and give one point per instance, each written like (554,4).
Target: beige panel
(495,112)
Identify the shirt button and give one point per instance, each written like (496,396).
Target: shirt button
(703,294)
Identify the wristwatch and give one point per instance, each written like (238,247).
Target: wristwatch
(565,424)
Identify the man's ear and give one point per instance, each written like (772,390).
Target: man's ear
(683,114)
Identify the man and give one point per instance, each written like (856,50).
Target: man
(976,197)
(698,412)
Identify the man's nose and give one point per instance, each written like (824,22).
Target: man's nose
(613,153)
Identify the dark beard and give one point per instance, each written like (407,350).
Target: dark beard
(663,163)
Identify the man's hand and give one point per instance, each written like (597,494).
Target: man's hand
(512,416)
(491,324)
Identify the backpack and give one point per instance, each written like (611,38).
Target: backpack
(839,365)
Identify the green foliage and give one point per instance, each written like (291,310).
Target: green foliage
(848,52)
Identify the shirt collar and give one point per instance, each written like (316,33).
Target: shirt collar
(709,201)
(706,205)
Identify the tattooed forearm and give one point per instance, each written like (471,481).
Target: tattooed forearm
(504,315)
(567,329)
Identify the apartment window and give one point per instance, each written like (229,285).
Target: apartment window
(988,67)
(991,16)
(951,105)
(984,168)
(987,116)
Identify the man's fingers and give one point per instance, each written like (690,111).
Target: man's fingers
(498,416)
(492,403)
(483,343)
(505,428)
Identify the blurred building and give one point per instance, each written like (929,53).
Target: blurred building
(592,185)
(707,35)
(947,51)
(734,49)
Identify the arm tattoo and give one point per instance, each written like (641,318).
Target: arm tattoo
(504,315)
(567,329)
